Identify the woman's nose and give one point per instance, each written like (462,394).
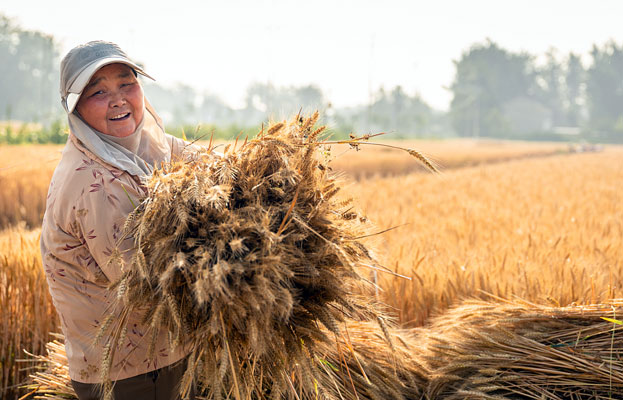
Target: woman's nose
(116,99)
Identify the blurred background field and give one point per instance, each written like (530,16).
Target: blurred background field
(377,161)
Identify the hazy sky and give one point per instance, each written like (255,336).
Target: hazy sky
(345,47)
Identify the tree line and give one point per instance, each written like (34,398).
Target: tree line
(499,93)
(495,93)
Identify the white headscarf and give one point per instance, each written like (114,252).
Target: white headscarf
(148,143)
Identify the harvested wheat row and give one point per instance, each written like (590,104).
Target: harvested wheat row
(481,350)
(478,350)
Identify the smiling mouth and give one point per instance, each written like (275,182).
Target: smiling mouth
(120,117)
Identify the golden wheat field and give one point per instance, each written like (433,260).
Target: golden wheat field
(25,171)
(528,221)
(548,230)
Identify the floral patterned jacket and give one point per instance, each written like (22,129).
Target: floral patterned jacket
(87,204)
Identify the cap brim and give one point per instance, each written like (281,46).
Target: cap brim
(83,78)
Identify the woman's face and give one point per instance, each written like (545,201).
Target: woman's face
(112,102)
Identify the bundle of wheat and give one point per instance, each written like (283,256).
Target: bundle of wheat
(244,257)
(491,351)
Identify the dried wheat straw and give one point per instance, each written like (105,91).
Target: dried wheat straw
(577,356)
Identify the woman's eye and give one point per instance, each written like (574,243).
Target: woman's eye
(97,93)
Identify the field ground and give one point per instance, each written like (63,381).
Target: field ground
(531,221)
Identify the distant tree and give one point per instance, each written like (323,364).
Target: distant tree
(309,97)
(29,76)
(410,115)
(187,102)
(487,77)
(260,96)
(281,102)
(550,93)
(393,112)
(575,78)
(400,103)
(215,111)
(561,88)
(604,89)
(380,112)
(183,105)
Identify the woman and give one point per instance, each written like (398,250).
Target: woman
(115,140)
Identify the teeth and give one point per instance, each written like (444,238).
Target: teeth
(120,116)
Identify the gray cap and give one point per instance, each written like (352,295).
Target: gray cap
(79,65)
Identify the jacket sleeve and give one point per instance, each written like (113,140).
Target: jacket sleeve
(100,215)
